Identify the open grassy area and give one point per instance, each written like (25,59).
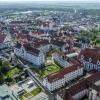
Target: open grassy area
(21,98)
(30,94)
(27,95)
(12,72)
(98,44)
(35,91)
(49,69)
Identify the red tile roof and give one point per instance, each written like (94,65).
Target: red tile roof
(77,88)
(81,85)
(91,53)
(68,97)
(55,77)
(2,37)
(41,43)
(59,75)
(35,33)
(31,49)
(58,43)
(95,77)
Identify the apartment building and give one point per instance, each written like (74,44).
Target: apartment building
(90,58)
(29,53)
(4,41)
(57,80)
(87,87)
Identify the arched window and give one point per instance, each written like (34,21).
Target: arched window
(82,57)
(90,59)
(98,62)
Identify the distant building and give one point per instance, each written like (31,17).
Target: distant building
(90,58)
(57,44)
(4,41)
(85,43)
(7,94)
(60,61)
(29,53)
(42,45)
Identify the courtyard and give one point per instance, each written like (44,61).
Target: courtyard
(49,68)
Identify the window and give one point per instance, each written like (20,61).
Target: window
(90,59)
(82,57)
(98,62)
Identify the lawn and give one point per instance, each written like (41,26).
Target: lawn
(12,72)
(21,98)
(98,44)
(35,91)
(49,69)
(29,94)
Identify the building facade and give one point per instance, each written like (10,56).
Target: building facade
(57,80)
(88,87)
(90,58)
(30,54)
(4,41)
(7,94)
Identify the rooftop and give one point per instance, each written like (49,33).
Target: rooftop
(2,37)
(83,84)
(6,93)
(91,53)
(60,74)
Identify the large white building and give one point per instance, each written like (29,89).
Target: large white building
(59,60)
(57,80)
(57,44)
(90,58)
(29,53)
(85,42)
(7,94)
(4,41)
(43,45)
(47,25)
(87,87)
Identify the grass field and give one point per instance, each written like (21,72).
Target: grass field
(12,72)
(34,92)
(49,69)
(98,44)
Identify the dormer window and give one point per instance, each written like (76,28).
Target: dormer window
(82,57)
(90,59)
(98,62)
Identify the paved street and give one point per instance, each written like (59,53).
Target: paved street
(36,80)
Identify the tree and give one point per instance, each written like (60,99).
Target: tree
(1,79)
(0,62)
(8,79)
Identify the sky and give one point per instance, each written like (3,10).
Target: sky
(51,0)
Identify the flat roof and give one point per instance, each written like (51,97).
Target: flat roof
(40,96)
(5,91)
(72,55)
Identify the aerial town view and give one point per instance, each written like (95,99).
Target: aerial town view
(49,49)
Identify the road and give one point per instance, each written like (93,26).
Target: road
(36,80)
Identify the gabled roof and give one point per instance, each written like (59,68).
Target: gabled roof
(28,48)
(18,45)
(94,54)
(58,43)
(81,85)
(31,50)
(60,74)
(55,77)
(41,43)
(2,37)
